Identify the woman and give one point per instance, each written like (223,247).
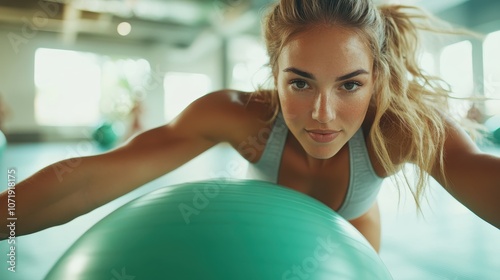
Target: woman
(350,107)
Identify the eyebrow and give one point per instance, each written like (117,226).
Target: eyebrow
(311,76)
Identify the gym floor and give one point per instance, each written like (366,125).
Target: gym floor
(446,241)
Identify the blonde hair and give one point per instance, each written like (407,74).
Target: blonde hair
(404,95)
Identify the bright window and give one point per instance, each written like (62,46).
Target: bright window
(81,89)
(428,63)
(248,58)
(491,62)
(181,89)
(456,69)
(124,85)
(68,88)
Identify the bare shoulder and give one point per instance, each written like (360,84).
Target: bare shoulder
(457,140)
(224,116)
(399,144)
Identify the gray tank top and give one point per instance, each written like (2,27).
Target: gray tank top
(364,184)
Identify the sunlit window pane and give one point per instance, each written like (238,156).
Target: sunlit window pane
(123,86)
(181,89)
(456,69)
(82,89)
(428,63)
(248,58)
(68,88)
(491,57)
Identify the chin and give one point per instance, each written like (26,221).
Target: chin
(322,152)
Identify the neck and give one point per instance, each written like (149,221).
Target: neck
(315,164)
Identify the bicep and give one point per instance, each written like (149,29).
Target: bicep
(204,123)
(461,159)
(471,176)
(148,156)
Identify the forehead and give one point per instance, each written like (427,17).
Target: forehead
(321,48)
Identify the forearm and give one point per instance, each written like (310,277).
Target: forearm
(46,199)
(70,188)
(478,187)
(470,175)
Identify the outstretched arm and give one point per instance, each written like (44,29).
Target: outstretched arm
(47,199)
(472,177)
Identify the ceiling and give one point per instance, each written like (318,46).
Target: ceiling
(174,22)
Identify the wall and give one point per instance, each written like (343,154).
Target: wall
(17,67)
(17,72)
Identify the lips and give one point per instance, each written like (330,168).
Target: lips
(322,135)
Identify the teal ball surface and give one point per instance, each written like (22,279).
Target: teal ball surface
(493,127)
(221,229)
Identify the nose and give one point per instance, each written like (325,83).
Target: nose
(324,109)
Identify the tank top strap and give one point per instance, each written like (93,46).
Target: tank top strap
(267,167)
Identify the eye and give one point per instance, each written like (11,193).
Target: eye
(299,84)
(351,86)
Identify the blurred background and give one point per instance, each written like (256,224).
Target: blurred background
(80,77)
(69,65)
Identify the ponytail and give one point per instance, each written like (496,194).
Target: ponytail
(408,97)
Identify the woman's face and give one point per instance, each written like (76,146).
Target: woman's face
(325,83)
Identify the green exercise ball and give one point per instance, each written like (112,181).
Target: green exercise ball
(221,230)
(105,135)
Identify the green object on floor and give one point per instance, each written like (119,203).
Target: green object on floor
(105,135)
(222,229)
(493,127)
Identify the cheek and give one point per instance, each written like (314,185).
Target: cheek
(292,108)
(356,110)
